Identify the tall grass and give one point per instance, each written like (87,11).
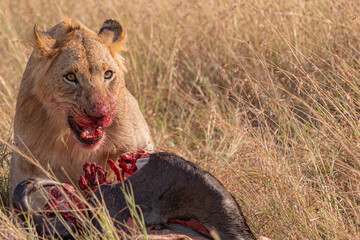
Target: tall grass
(263,94)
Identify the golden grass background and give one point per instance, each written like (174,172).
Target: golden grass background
(263,94)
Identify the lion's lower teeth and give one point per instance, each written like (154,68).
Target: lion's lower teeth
(85,134)
(91,132)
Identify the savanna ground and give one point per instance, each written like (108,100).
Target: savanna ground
(263,94)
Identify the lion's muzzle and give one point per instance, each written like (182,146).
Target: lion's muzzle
(89,127)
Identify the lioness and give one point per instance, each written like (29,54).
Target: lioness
(73,105)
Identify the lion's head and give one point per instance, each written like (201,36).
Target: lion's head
(79,76)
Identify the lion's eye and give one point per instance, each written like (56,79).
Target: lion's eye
(108,74)
(71,77)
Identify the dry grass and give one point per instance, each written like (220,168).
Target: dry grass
(263,94)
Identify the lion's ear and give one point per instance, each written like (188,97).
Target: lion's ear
(113,33)
(43,43)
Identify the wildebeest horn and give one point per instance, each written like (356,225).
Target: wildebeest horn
(44,226)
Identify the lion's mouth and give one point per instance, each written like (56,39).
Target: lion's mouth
(88,135)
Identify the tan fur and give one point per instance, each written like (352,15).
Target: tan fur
(45,99)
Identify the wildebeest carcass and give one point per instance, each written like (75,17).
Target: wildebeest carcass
(165,187)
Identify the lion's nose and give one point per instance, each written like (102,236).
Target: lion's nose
(97,112)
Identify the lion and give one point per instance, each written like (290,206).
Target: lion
(73,105)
